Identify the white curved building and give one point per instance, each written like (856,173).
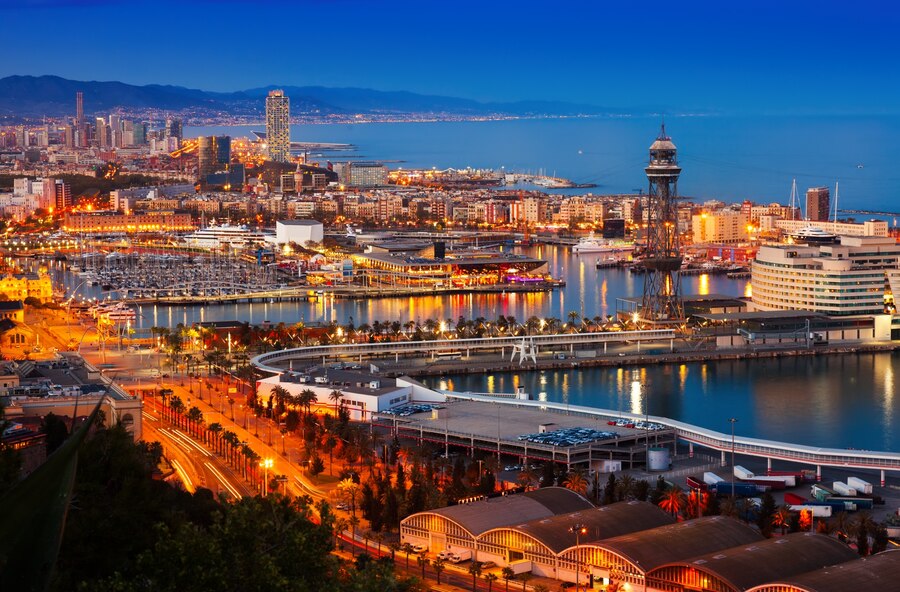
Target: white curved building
(850,278)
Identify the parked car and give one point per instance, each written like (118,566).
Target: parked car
(420,548)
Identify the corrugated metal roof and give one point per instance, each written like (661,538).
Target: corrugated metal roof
(745,566)
(879,572)
(481,516)
(649,549)
(599,523)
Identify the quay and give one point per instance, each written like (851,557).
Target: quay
(472,434)
(770,450)
(315,293)
(277,361)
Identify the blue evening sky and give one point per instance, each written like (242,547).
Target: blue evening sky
(724,56)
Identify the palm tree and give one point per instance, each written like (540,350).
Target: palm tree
(281,395)
(577,482)
(194,414)
(408,549)
(233,441)
(336,396)
(729,507)
(305,399)
(475,570)
(508,574)
(438,565)
(216,429)
(423,563)
(340,525)
(528,478)
(624,487)
(524,577)
(354,522)
(782,518)
(349,489)
(673,501)
(490,578)
(330,444)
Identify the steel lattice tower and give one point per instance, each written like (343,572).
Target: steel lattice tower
(662,259)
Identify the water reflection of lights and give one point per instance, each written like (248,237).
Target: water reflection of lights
(703,286)
(748,291)
(636,396)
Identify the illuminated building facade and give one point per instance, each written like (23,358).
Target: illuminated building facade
(113,222)
(850,278)
(20,286)
(278,126)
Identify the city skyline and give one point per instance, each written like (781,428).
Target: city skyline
(805,58)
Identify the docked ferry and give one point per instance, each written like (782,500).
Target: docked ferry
(213,237)
(592,244)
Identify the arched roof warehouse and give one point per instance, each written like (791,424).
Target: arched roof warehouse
(599,523)
(649,549)
(742,567)
(463,523)
(481,516)
(880,573)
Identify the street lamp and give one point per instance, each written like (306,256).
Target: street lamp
(732,420)
(578,529)
(266,464)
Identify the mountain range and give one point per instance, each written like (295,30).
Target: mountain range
(53,96)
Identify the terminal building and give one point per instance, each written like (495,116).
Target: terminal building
(850,278)
(553,532)
(434,266)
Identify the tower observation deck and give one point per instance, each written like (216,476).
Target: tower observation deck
(661,302)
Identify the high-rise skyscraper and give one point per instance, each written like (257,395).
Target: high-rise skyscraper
(818,204)
(101,133)
(213,155)
(278,126)
(79,109)
(174,129)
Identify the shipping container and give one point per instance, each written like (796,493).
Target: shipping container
(859,485)
(793,499)
(818,511)
(711,478)
(820,492)
(696,483)
(842,488)
(739,489)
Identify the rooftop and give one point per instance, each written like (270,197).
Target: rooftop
(878,572)
(649,549)
(481,516)
(599,523)
(745,566)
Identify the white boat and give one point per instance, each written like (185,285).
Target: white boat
(592,244)
(213,237)
(814,235)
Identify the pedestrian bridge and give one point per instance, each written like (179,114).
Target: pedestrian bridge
(278,360)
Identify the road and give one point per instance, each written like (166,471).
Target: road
(194,465)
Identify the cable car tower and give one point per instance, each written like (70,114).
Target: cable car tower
(661,303)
